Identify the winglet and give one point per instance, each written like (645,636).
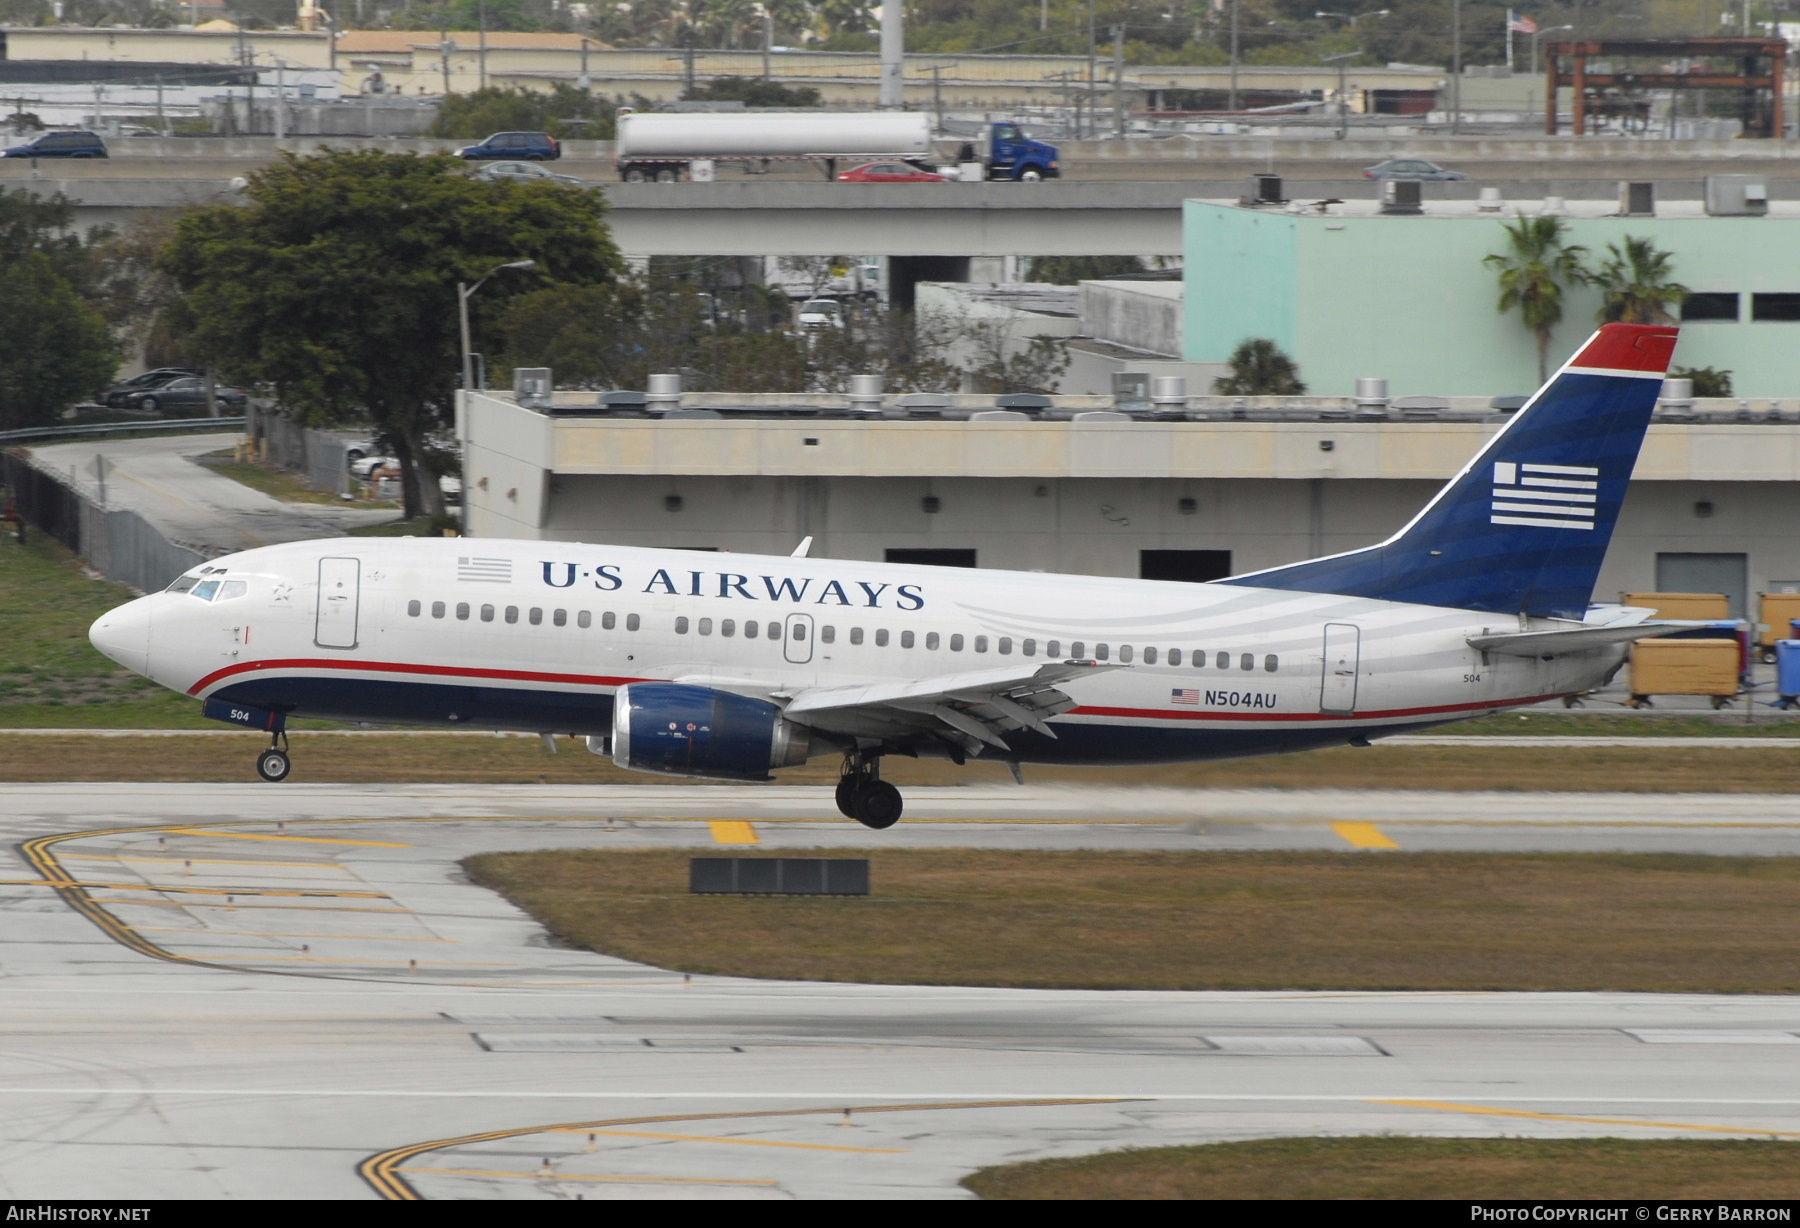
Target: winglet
(802,548)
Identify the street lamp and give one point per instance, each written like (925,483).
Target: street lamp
(1537,40)
(1353,18)
(463,294)
(1342,61)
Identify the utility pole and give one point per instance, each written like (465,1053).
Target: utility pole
(768,42)
(1093,56)
(162,121)
(1343,99)
(585,81)
(1455,66)
(892,91)
(687,71)
(280,99)
(482,54)
(1231,103)
(1119,82)
(937,94)
(445,47)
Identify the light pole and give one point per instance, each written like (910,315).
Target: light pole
(1537,41)
(1343,99)
(464,293)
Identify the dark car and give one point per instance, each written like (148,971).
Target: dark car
(1409,168)
(115,396)
(60,145)
(187,392)
(521,172)
(518,146)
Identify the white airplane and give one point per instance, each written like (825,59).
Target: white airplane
(728,666)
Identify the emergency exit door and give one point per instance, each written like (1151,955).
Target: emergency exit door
(334,624)
(1343,655)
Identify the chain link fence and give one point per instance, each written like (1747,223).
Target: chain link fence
(120,545)
(321,457)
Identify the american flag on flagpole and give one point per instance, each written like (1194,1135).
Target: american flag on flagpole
(1520,24)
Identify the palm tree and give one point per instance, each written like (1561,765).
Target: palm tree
(1636,285)
(1260,369)
(1533,273)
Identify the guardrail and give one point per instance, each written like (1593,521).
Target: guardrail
(121,428)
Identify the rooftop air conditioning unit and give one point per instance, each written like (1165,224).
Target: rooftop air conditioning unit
(1737,195)
(1637,199)
(1402,197)
(1131,390)
(1265,190)
(532,388)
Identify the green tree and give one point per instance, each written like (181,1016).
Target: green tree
(1708,382)
(336,285)
(755,92)
(1067,270)
(566,113)
(1635,284)
(1260,369)
(1534,270)
(54,349)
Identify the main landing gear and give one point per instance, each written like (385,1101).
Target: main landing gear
(273,765)
(864,796)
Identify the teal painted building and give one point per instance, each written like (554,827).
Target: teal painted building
(1409,298)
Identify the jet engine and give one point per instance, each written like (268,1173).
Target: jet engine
(681,730)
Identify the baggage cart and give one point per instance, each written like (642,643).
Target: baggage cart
(1776,612)
(1684,667)
(1682,605)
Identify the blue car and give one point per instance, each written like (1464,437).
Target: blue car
(60,145)
(515,146)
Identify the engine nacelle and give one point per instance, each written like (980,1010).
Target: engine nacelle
(680,730)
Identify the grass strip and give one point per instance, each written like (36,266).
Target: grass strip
(375,758)
(1165,920)
(1391,1167)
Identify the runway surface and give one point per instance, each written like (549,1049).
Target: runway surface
(291,992)
(158,478)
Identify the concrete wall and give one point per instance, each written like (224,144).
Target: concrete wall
(1145,315)
(1409,298)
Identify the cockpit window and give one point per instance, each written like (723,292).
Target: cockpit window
(232,588)
(205,589)
(183,584)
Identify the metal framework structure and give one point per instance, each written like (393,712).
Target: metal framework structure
(1757,79)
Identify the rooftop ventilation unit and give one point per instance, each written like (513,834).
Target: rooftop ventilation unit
(1131,390)
(1265,190)
(1637,199)
(532,387)
(1402,197)
(1737,195)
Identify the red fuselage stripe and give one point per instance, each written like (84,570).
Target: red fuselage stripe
(521,675)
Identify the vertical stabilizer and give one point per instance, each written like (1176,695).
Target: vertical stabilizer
(1525,525)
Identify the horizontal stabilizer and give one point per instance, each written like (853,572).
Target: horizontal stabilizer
(1575,639)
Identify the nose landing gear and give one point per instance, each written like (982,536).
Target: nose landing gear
(862,794)
(273,764)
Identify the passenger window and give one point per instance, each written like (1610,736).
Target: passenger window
(608,621)
(956,643)
(1149,656)
(462,611)
(1247,661)
(487,613)
(751,628)
(584,619)
(1102,652)
(1125,653)
(906,639)
(1174,656)
(827,635)
(981,643)
(931,641)
(185,584)
(681,626)
(1053,648)
(560,617)
(1005,646)
(706,626)
(774,631)
(512,613)
(856,636)
(799,631)
(632,623)
(1223,660)
(1271,663)
(881,637)
(1028,647)
(437,609)
(206,589)
(1075,649)
(413,608)
(537,616)
(728,627)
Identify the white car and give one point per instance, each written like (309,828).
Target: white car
(821,313)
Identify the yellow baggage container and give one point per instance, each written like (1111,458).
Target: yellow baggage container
(1778,612)
(1684,667)
(1681,605)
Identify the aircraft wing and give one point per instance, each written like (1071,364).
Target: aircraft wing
(970,709)
(1575,639)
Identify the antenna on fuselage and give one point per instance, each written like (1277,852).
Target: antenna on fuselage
(802,548)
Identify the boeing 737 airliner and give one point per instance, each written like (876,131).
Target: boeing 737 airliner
(728,666)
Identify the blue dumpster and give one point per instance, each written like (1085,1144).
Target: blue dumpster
(1787,672)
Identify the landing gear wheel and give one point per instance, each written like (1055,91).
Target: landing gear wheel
(878,805)
(273,765)
(846,796)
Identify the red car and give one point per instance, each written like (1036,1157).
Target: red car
(890,172)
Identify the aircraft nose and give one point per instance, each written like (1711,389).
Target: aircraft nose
(124,635)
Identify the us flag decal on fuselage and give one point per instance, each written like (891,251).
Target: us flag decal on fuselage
(1544,496)
(1179,696)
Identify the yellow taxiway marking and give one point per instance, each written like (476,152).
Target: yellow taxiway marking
(240,835)
(208,904)
(1484,1111)
(319,959)
(482,1172)
(182,929)
(1363,835)
(742,1142)
(204,861)
(59,882)
(732,831)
